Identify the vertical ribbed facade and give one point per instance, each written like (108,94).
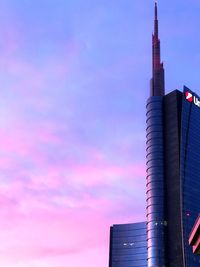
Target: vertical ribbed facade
(156,221)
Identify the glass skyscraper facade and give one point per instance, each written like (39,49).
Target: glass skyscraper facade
(178,191)
(128,246)
(173,173)
(190,170)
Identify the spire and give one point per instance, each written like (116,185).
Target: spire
(157,81)
(156,20)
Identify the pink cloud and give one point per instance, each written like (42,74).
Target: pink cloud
(52,233)
(38,224)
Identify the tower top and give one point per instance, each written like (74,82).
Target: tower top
(157,81)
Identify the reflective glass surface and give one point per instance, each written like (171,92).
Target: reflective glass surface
(128,245)
(190,174)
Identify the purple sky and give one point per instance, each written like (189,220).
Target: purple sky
(74,79)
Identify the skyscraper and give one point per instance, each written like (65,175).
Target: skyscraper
(173,169)
(156,217)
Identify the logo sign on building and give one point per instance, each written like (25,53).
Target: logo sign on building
(190,98)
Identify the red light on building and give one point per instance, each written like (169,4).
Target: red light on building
(194,239)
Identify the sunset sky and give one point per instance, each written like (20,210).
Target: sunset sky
(74,79)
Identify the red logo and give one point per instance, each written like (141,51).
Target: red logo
(189,96)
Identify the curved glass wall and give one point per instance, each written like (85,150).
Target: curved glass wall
(155,183)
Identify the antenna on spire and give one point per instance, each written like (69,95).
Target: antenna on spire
(156,11)
(156,20)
